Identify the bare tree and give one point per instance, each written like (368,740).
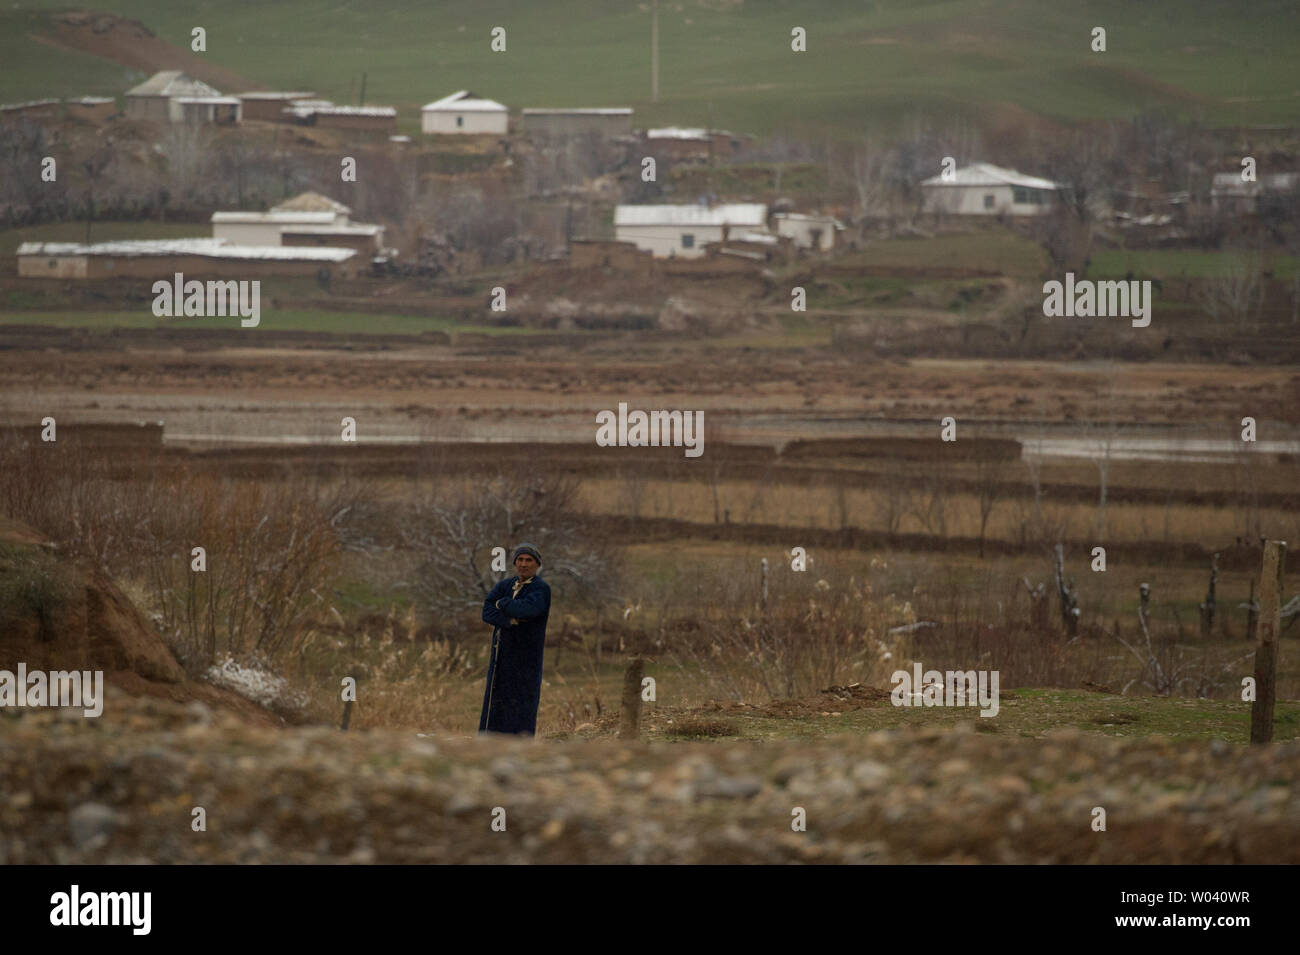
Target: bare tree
(989,472)
(451,534)
(1236,293)
(188,150)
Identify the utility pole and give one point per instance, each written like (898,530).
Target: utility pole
(654,51)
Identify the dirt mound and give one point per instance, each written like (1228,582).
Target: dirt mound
(134,45)
(914,795)
(59,614)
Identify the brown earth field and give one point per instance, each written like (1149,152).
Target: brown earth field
(124,788)
(131,43)
(549,387)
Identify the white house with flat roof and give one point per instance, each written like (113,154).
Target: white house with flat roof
(309,217)
(263,228)
(465,113)
(808,231)
(982,189)
(683,230)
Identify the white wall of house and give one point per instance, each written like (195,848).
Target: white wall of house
(808,232)
(248,233)
(470,122)
(682,241)
(986,200)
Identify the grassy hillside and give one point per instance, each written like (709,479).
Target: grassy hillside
(868,64)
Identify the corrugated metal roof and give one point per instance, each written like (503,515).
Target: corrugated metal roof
(593,111)
(172,83)
(283,218)
(1230,184)
(208,100)
(986,174)
(311,202)
(735,214)
(209,248)
(808,217)
(301,94)
(333,229)
(680,133)
(28,105)
(298,109)
(463,101)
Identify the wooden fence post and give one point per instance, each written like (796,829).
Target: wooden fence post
(1207,608)
(629,719)
(1270,621)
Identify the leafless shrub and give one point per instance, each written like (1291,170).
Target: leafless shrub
(1168,668)
(812,635)
(1235,295)
(269,546)
(452,530)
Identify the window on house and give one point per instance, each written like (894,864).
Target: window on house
(1020,195)
(988,200)
(460,120)
(688,241)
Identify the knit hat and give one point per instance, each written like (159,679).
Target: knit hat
(528,549)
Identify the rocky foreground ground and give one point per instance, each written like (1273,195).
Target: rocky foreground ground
(123,789)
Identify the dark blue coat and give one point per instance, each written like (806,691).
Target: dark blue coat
(514,677)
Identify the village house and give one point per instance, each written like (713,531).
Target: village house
(815,232)
(269,107)
(692,143)
(1271,190)
(325,115)
(683,230)
(608,122)
(308,219)
(199,110)
(983,189)
(90,108)
(161,258)
(464,113)
(152,99)
(94,109)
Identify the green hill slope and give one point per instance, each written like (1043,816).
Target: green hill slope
(867,64)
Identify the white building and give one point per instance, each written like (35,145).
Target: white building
(151,100)
(1229,194)
(263,228)
(311,218)
(466,113)
(983,189)
(808,231)
(683,230)
(204,110)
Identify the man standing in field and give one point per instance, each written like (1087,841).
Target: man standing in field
(517,608)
